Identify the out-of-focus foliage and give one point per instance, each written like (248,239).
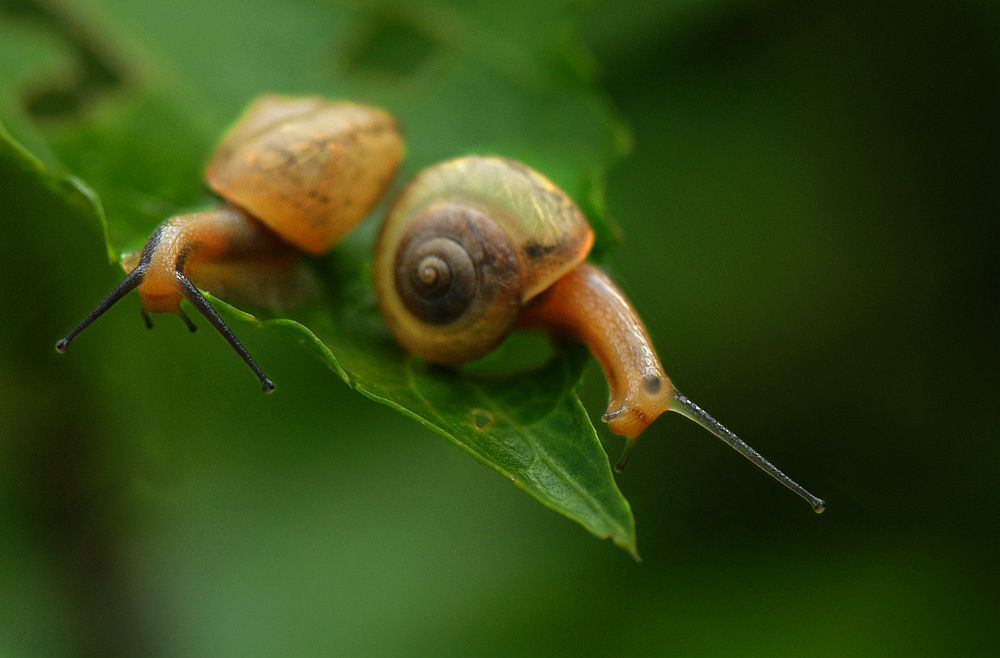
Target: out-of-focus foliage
(809,227)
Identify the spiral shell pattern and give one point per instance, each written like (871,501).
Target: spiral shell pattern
(468,242)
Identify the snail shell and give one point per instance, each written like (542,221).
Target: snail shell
(308,168)
(466,245)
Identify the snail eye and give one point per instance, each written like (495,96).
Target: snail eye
(652,384)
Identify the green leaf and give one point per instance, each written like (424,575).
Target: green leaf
(141,112)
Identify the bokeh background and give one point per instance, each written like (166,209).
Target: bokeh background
(809,222)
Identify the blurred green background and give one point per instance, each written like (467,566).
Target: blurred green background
(809,217)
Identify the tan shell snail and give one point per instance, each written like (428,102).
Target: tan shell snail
(479,245)
(296,174)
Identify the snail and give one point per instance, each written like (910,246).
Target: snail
(296,173)
(477,246)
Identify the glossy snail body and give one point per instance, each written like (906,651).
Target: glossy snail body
(479,245)
(296,174)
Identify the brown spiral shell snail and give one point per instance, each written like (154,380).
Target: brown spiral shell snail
(479,245)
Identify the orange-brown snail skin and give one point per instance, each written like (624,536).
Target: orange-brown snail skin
(476,245)
(586,305)
(296,174)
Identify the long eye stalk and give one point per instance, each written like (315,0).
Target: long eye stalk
(199,302)
(689,409)
(128,284)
